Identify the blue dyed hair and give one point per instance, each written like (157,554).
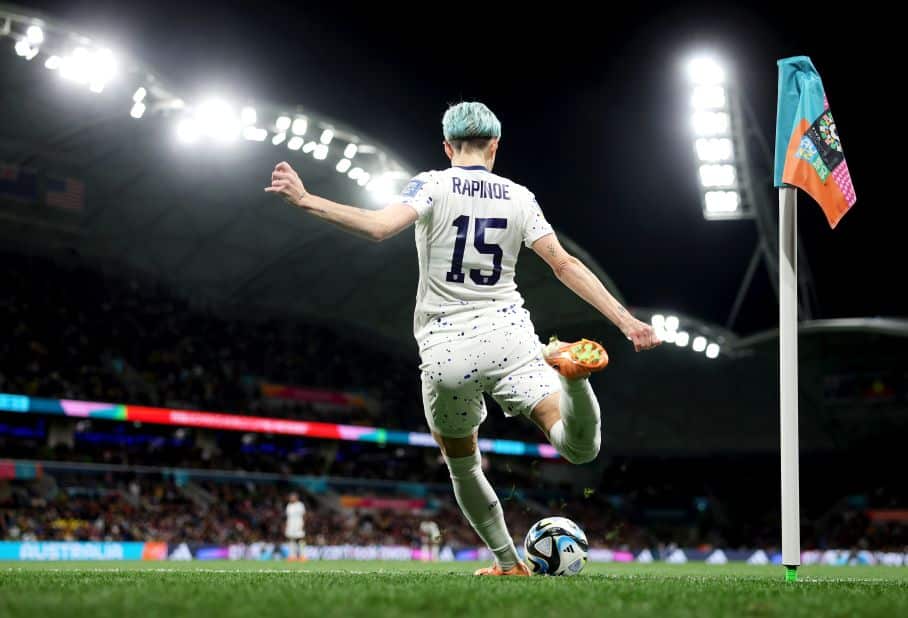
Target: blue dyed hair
(470,120)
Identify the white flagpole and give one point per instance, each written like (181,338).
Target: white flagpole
(788,383)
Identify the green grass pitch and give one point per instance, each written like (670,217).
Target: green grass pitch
(258,589)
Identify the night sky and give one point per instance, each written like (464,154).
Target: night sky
(594,114)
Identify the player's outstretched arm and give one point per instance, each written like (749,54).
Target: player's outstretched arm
(374,225)
(581,280)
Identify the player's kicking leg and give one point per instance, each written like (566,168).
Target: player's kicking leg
(479,504)
(571,418)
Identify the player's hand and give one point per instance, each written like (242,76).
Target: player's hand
(642,335)
(286,183)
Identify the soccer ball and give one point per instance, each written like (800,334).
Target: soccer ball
(555,546)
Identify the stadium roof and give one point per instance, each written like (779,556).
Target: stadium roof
(194,214)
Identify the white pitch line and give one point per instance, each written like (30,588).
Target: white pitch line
(205,570)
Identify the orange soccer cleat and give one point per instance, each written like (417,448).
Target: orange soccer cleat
(518,570)
(577,360)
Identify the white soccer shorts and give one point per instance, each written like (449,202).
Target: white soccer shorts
(507,364)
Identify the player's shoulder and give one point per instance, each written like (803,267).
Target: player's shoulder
(421,182)
(519,190)
(429,176)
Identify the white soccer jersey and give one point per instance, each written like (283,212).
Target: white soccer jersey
(470,227)
(429,529)
(295,512)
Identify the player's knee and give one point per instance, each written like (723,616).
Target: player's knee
(582,455)
(462,468)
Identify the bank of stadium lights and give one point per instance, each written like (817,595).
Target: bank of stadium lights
(714,139)
(79,60)
(138,106)
(29,45)
(94,67)
(668,329)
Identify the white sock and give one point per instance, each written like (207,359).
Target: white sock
(578,435)
(481,507)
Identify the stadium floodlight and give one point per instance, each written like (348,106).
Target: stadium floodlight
(714,149)
(283,123)
(707,124)
(658,320)
(254,134)
(705,71)
(682,339)
(381,189)
(218,120)
(138,109)
(699,343)
(52,63)
(300,126)
(671,323)
(94,67)
(327,136)
(722,202)
(668,336)
(320,152)
(248,115)
(309,147)
(712,350)
(716,124)
(350,151)
(295,142)
(72,66)
(139,94)
(708,97)
(188,131)
(343,165)
(25,49)
(355,173)
(279,138)
(363,179)
(717,175)
(34,35)
(101,69)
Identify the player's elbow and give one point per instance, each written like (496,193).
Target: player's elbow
(377,233)
(565,265)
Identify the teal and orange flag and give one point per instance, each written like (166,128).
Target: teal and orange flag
(808,149)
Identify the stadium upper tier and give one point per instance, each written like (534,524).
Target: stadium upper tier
(177,191)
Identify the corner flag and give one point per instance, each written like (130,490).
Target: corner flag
(808,149)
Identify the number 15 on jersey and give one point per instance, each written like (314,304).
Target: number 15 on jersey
(462,223)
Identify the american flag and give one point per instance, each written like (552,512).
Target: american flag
(66,193)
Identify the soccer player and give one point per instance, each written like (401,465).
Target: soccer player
(431,540)
(294,529)
(473,333)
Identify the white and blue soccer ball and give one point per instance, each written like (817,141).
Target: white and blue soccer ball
(555,546)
